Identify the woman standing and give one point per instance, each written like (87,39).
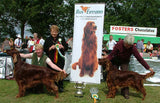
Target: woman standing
(55,47)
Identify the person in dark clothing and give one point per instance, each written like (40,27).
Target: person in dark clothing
(120,57)
(55,47)
(25,43)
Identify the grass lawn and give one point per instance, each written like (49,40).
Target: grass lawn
(9,89)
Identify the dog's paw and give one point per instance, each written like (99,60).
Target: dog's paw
(91,74)
(74,66)
(17,96)
(81,74)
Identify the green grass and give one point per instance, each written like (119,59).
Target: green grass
(9,89)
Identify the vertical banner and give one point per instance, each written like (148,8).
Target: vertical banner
(87,42)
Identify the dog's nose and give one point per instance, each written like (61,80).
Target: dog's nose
(95,27)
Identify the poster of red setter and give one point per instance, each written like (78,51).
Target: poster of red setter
(87,43)
(88,61)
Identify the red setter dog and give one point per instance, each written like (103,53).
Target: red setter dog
(28,76)
(88,62)
(119,79)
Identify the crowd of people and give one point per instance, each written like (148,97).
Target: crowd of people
(145,49)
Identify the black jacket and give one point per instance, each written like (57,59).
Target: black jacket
(48,43)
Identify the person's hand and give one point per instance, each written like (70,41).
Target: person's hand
(64,71)
(61,46)
(151,70)
(52,47)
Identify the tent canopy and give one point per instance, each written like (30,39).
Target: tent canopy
(153,40)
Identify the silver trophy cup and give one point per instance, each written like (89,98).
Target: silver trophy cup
(79,86)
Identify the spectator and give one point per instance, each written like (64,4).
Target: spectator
(41,41)
(119,39)
(111,43)
(11,43)
(55,47)
(155,53)
(149,47)
(36,40)
(140,46)
(5,45)
(25,42)
(30,44)
(18,42)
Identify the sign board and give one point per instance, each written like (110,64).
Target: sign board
(133,30)
(87,42)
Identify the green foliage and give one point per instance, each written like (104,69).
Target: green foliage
(40,14)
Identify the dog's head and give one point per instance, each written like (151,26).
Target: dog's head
(90,28)
(61,76)
(14,53)
(105,62)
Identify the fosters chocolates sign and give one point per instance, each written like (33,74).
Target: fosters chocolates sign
(133,30)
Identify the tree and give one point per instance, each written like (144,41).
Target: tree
(6,23)
(145,13)
(55,12)
(41,14)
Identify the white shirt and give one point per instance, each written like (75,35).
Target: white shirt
(111,44)
(30,43)
(18,42)
(149,46)
(41,41)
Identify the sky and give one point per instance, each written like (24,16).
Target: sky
(26,31)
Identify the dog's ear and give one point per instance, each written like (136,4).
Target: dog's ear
(102,61)
(14,58)
(63,75)
(86,30)
(58,77)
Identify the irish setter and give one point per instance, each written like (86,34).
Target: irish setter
(88,62)
(119,79)
(28,76)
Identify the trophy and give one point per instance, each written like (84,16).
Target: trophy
(94,94)
(79,86)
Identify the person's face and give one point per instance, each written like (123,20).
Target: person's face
(111,37)
(127,45)
(35,35)
(54,33)
(39,52)
(26,37)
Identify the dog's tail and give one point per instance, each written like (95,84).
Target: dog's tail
(148,75)
(74,65)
